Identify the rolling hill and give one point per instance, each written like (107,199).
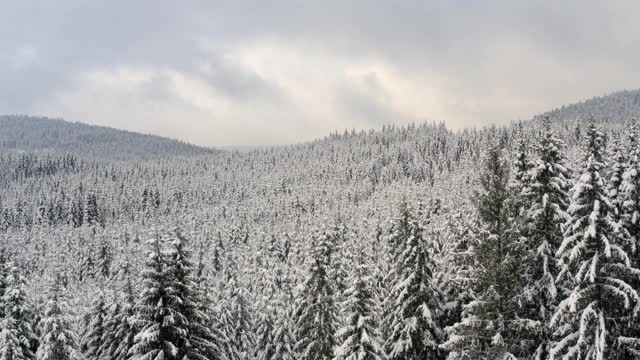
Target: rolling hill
(44,135)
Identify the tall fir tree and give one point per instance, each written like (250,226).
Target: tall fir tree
(416,301)
(630,194)
(283,331)
(235,321)
(316,314)
(265,331)
(96,328)
(58,341)
(547,192)
(4,259)
(619,163)
(157,312)
(359,338)
(490,327)
(593,260)
(18,319)
(197,341)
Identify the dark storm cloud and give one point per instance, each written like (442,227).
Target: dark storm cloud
(482,61)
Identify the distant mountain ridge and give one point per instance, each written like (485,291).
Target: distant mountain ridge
(20,133)
(620,106)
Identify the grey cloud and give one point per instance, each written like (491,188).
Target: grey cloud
(464,41)
(367,104)
(231,80)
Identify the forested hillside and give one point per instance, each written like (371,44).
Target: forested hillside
(406,243)
(28,134)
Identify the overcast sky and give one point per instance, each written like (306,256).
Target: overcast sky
(273,72)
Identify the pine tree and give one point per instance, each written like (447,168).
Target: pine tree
(9,342)
(630,194)
(235,322)
(283,333)
(197,342)
(586,322)
(458,277)
(316,314)
(417,303)
(110,327)
(399,230)
(265,331)
(3,278)
(547,192)
(57,339)
(522,176)
(157,314)
(96,329)
(119,334)
(359,338)
(20,339)
(490,327)
(616,175)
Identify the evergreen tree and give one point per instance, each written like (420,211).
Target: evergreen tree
(9,341)
(630,196)
(21,339)
(157,314)
(522,175)
(594,260)
(235,322)
(197,341)
(616,175)
(57,339)
(458,277)
(265,331)
(119,334)
(316,314)
(417,303)
(110,327)
(3,278)
(283,333)
(490,327)
(359,338)
(96,330)
(631,223)
(548,194)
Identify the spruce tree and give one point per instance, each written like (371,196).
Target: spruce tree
(57,339)
(630,194)
(547,192)
(235,321)
(9,342)
(359,338)
(593,259)
(522,174)
(283,333)
(265,331)
(4,259)
(18,319)
(197,342)
(120,332)
(110,327)
(316,314)
(490,327)
(157,313)
(96,329)
(416,302)
(617,170)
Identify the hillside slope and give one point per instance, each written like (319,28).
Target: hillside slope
(617,107)
(44,135)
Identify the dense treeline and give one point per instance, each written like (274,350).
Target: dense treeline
(408,243)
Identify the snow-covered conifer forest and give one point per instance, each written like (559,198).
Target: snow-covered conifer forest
(405,243)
